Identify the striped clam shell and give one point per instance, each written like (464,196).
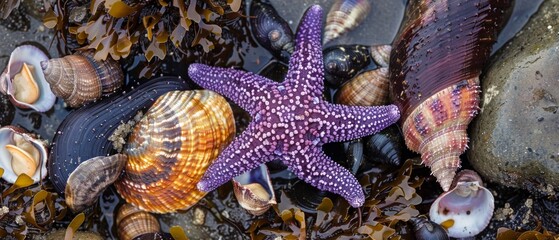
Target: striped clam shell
(344,16)
(79,78)
(171,148)
(434,71)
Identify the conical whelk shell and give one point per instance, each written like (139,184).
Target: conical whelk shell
(21,152)
(79,78)
(171,148)
(466,209)
(269,29)
(434,72)
(132,222)
(254,191)
(24,81)
(344,16)
(91,178)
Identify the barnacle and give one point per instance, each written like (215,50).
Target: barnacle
(26,208)
(113,27)
(390,199)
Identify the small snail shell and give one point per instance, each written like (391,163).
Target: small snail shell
(254,191)
(386,147)
(91,178)
(466,209)
(427,230)
(343,62)
(21,152)
(24,81)
(270,30)
(132,222)
(344,16)
(369,88)
(79,78)
(171,148)
(434,72)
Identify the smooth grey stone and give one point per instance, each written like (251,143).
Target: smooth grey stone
(515,138)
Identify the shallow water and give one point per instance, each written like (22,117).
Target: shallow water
(224,217)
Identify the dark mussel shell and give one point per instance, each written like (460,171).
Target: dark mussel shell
(427,230)
(307,197)
(343,62)
(270,30)
(386,147)
(84,133)
(354,155)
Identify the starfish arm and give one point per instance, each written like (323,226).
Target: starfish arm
(317,169)
(344,123)
(306,70)
(243,154)
(243,88)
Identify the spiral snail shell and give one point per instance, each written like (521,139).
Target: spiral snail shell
(434,72)
(344,16)
(133,222)
(171,148)
(79,78)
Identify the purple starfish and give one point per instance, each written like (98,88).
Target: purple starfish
(290,120)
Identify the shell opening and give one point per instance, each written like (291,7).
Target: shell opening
(25,85)
(25,156)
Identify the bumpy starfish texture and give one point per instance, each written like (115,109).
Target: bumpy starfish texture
(290,120)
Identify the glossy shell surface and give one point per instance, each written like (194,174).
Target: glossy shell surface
(269,29)
(171,148)
(133,222)
(369,88)
(91,178)
(31,158)
(466,209)
(254,190)
(79,78)
(32,56)
(343,62)
(434,68)
(427,230)
(344,16)
(84,133)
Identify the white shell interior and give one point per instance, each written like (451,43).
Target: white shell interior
(471,213)
(6,137)
(32,56)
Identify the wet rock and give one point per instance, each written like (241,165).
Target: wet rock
(6,110)
(514,140)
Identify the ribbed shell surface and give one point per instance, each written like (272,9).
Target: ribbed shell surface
(434,72)
(132,222)
(79,78)
(369,88)
(84,132)
(171,148)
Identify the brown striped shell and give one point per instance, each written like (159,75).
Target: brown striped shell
(344,16)
(79,78)
(88,181)
(132,222)
(369,88)
(171,148)
(434,69)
